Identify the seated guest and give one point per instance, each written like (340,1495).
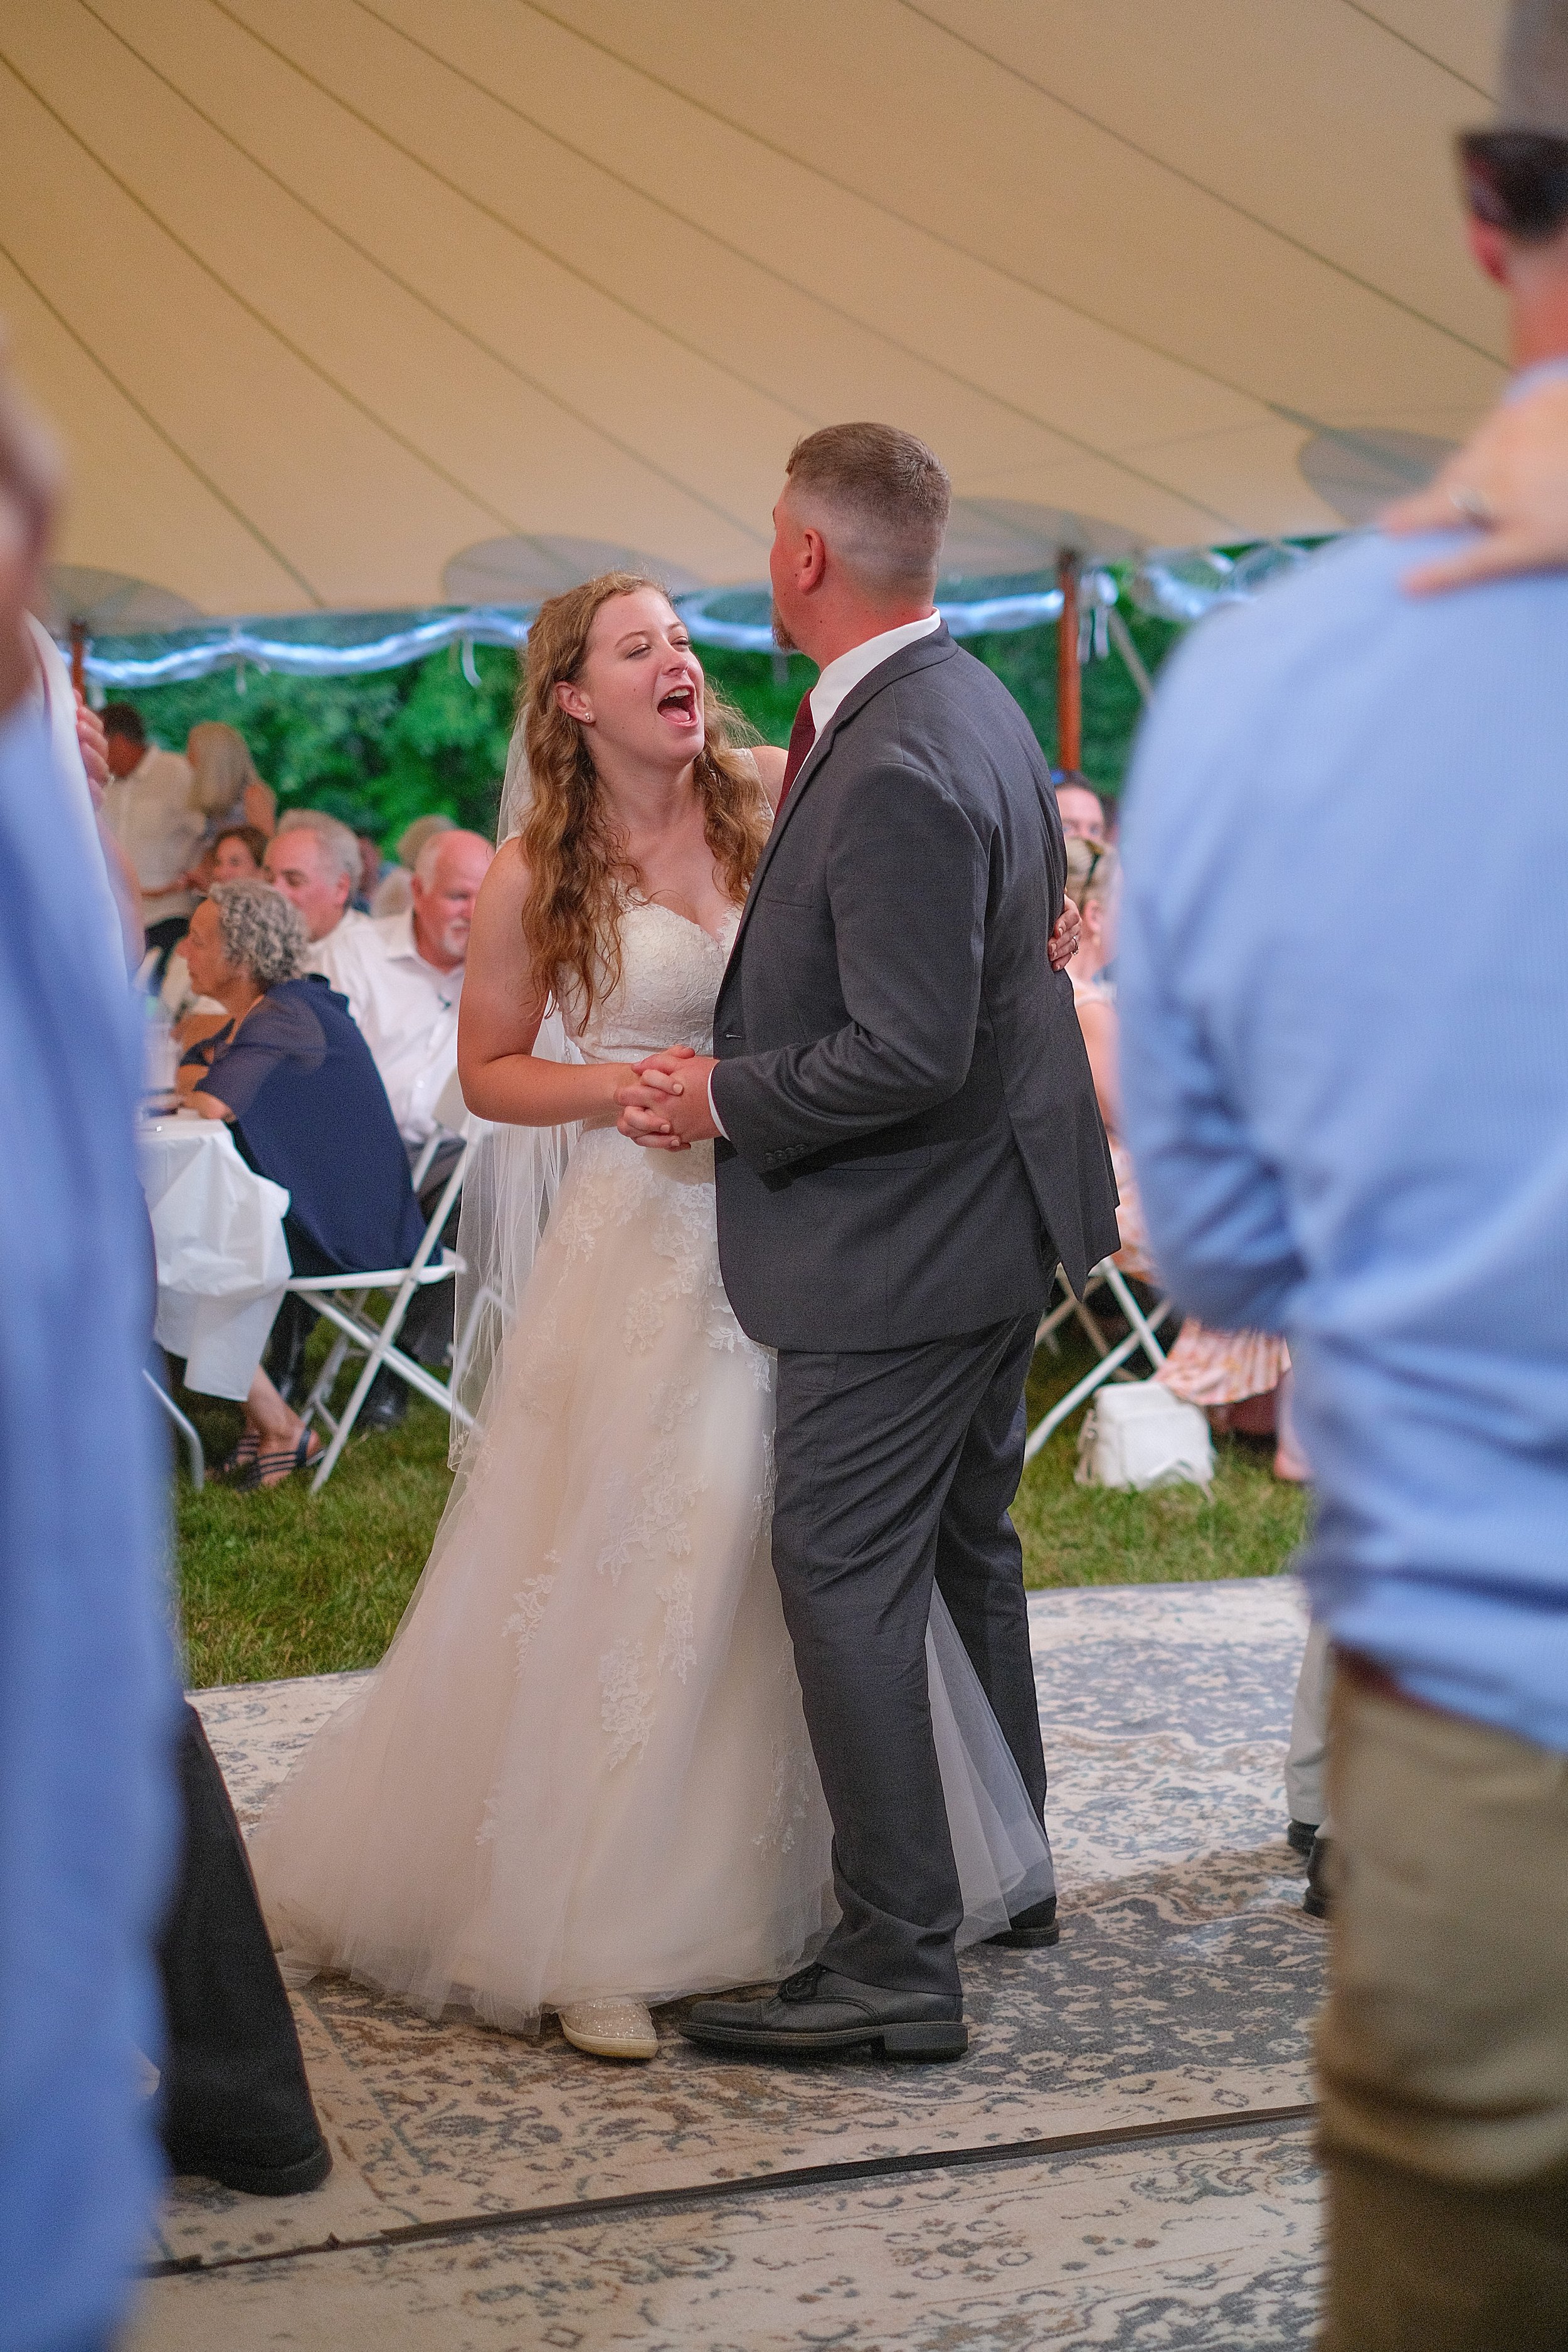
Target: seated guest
(233,855)
(1080,808)
(403,978)
(1241,1379)
(395,891)
(314,861)
(150,810)
(1094,884)
(240,853)
(294,1078)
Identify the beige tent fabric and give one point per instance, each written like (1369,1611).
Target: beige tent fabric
(324,294)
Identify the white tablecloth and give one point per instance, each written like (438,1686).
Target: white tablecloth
(222,1262)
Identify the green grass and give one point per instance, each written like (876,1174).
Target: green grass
(1248,1524)
(287,1582)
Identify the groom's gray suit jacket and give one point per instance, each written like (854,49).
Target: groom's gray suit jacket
(913,1137)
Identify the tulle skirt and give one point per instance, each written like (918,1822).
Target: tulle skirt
(583,1768)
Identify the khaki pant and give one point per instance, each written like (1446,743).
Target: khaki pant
(1443,2049)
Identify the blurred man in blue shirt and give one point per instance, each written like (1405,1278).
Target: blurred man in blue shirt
(86,1698)
(1344,983)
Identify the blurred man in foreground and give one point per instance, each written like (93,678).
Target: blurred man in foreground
(85,1702)
(1350,1114)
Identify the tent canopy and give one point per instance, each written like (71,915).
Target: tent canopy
(346,304)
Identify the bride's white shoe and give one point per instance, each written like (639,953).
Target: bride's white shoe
(610,2029)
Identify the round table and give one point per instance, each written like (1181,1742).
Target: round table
(223,1263)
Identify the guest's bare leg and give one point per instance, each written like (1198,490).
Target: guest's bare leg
(277,1426)
(1289,1462)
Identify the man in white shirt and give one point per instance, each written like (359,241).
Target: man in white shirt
(403,977)
(314,861)
(150,809)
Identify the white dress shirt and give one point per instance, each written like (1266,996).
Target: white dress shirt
(153,816)
(405,1010)
(841,676)
(337,957)
(838,680)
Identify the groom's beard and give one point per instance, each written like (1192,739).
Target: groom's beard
(782,639)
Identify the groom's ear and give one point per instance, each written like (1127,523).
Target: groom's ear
(813,562)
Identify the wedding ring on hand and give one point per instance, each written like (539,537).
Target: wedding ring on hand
(1474,506)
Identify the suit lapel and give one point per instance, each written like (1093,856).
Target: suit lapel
(903,664)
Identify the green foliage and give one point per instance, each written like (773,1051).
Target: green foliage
(1025,662)
(380,751)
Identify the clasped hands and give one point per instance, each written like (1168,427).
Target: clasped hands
(666,1104)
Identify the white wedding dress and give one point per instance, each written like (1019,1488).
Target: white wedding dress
(581,1769)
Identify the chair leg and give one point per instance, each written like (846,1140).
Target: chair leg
(187,1428)
(1145,1325)
(325,1379)
(375,1359)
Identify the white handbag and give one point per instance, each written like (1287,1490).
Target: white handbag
(1138,1435)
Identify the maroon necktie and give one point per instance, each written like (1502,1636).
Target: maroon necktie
(802,736)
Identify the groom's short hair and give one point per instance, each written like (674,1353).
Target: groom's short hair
(885,495)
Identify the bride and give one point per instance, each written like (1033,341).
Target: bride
(580,1781)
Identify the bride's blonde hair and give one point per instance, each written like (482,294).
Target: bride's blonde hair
(577,863)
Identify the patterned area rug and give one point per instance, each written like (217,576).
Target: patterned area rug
(470,2163)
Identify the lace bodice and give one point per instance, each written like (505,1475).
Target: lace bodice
(670,971)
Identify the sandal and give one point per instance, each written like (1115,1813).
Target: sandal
(272,1469)
(240,1461)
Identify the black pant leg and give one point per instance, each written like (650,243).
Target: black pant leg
(980,1561)
(866,1448)
(234,2092)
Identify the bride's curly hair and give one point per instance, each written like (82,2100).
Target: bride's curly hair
(579,871)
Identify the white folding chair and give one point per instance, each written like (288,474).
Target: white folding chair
(184,1424)
(343,1300)
(1141,1333)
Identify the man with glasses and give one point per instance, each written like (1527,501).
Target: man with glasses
(1350,1115)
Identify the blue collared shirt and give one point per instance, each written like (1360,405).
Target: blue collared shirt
(86,1695)
(1344,1015)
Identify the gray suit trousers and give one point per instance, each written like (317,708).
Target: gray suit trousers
(897,1466)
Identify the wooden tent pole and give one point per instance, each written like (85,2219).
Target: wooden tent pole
(1069,677)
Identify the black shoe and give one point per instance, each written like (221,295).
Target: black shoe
(1299,1836)
(1316,1901)
(817,2011)
(386,1406)
(1032,1929)
(234,2169)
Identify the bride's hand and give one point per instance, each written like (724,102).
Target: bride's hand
(1065,940)
(649,1095)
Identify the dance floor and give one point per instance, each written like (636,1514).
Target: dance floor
(1122,2161)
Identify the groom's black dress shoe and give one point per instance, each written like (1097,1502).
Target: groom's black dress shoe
(1032,1929)
(816,2012)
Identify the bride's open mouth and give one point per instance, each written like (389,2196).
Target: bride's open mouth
(679,704)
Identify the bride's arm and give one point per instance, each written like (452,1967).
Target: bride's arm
(499,1020)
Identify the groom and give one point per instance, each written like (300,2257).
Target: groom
(908,1143)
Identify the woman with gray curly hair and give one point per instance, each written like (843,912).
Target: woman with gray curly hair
(295,1080)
